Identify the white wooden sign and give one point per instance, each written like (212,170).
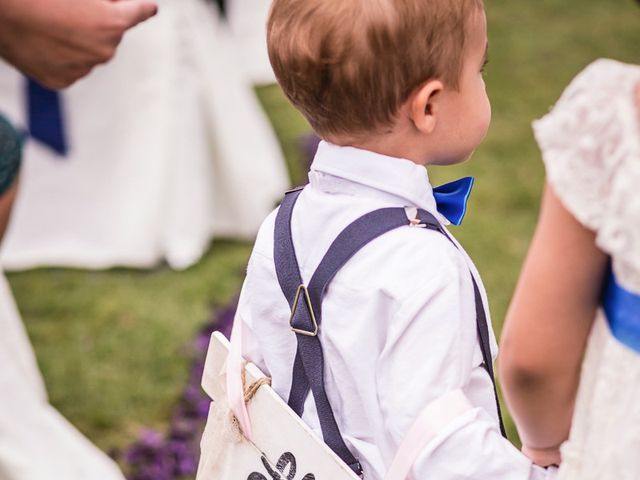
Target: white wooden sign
(283,447)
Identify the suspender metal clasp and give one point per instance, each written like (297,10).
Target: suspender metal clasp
(307,299)
(412,216)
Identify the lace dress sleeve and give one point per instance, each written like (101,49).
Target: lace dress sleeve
(590,145)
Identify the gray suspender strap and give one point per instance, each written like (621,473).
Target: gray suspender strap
(309,358)
(306,306)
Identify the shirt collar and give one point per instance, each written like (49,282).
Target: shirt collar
(354,170)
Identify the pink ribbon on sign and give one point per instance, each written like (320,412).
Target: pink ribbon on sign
(432,420)
(235,388)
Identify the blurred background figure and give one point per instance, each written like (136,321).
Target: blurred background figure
(152,155)
(36,442)
(247,21)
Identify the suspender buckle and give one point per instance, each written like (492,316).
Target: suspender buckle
(307,299)
(412,216)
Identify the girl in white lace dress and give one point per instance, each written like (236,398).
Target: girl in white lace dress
(566,375)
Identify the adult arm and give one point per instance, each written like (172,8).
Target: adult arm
(547,327)
(59,41)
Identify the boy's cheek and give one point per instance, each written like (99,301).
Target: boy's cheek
(485,117)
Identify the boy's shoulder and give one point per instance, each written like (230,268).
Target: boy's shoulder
(407,260)
(401,262)
(264,239)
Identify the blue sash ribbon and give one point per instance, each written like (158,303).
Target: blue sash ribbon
(622,309)
(46,122)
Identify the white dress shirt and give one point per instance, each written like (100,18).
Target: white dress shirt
(398,325)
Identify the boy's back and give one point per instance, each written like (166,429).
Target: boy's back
(399,333)
(399,321)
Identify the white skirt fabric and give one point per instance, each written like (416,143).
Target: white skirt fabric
(248,23)
(36,442)
(605,434)
(168,147)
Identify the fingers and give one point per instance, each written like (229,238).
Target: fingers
(133,12)
(61,78)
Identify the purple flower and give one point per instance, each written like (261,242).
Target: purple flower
(155,456)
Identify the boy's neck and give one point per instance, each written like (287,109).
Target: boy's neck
(396,144)
(392,149)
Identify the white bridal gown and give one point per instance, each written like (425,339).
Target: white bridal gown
(168,147)
(591,148)
(248,23)
(36,442)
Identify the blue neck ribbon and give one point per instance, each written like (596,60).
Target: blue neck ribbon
(45,117)
(451,199)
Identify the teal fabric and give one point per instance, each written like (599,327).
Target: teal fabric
(10,154)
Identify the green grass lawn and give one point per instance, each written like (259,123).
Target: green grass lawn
(114,346)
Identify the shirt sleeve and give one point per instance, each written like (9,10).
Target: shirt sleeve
(590,144)
(251,348)
(472,447)
(429,354)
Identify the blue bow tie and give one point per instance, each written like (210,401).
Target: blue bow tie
(451,199)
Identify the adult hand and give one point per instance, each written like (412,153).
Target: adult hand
(56,42)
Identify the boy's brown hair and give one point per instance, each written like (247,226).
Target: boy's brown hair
(348,65)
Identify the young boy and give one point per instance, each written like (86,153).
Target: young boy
(391,87)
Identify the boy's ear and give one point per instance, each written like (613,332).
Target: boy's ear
(424,106)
